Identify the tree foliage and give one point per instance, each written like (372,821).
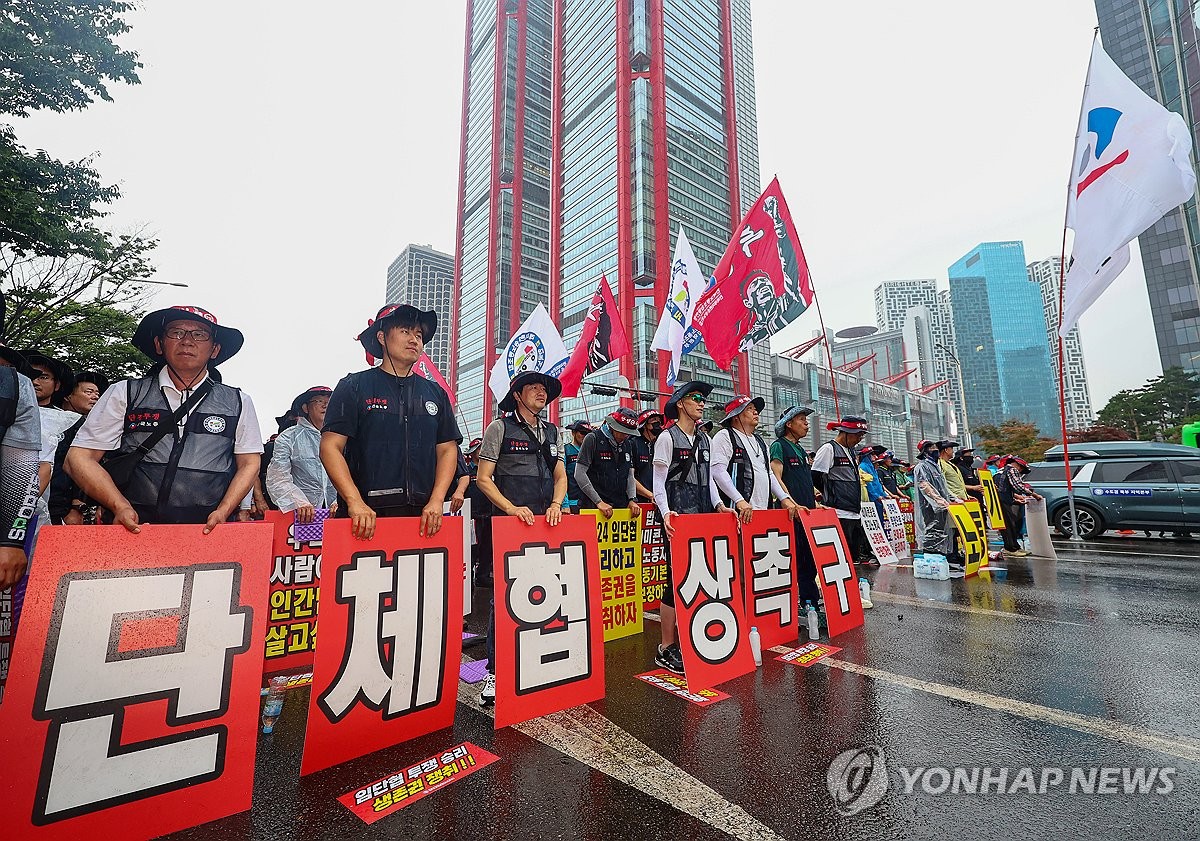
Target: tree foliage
(1158,409)
(1015,437)
(1098,432)
(57,55)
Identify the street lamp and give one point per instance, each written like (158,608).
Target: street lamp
(962,392)
(100,285)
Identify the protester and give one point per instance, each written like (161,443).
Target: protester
(741,462)
(521,472)
(964,460)
(1014,493)
(836,475)
(481,517)
(296,479)
(390,441)
(789,463)
(682,485)
(954,479)
(579,431)
(604,469)
(195,441)
(52,379)
(20,444)
(67,502)
(885,470)
(932,519)
(650,426)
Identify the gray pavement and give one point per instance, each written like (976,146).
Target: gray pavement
(1086,662)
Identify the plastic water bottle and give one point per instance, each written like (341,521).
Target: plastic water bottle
(756,646)
(864,592)
(810,616)
(273,706)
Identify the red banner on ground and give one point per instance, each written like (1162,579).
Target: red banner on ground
(769,567)
(654,558)
(392,636)
(673,684)
(295,590)
(549,635)
(391,793)
(707,575)
(133,710)
(808,654)
(835,572)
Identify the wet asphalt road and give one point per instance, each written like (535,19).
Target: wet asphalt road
(1088,661)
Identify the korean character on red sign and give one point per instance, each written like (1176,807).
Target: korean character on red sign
(771,586)
(371,674)
(715,611)
(547,596)
(304,602)
(281,605)
(301,637)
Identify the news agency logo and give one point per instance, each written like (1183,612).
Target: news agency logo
(857,779)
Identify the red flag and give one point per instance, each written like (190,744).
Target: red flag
(603,339)
(425,367)
(761,284)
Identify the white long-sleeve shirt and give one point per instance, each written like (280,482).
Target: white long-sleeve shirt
(766,484)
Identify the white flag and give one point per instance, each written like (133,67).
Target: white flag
(536,346)
(687,284)
(1132,167)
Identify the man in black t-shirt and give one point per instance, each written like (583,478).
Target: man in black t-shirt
(390,441)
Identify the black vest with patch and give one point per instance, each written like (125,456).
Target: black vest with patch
(183,478)
(609,470)
(525,468)
(688,475)
(843,484)
(741,468)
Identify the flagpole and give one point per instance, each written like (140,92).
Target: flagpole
(1062,276)
(837,409)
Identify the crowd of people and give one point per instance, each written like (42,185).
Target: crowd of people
(179,445)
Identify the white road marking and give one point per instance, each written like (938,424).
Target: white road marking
(588,737)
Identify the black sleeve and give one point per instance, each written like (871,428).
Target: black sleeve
(343,412)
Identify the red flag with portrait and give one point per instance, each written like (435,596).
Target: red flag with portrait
(603,339)
(761,284)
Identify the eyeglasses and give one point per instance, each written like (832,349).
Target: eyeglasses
(200,337)
(43,375)
(699,398)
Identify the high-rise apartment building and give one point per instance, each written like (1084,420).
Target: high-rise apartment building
(591,132)
(1155,43)
(1000,333)
(424,277)
(1045,273)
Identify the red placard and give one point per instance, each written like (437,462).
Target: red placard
(707,576)
(808,654)
(391,793)
(907,511)
(835,572)
(132,705)
(769,569)
(549,633)
(654,558)
(391,627)
(672,683)
(295,591)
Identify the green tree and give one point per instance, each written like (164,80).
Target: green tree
(1098,432)
(1159,408)
(1015,437)
(57,55)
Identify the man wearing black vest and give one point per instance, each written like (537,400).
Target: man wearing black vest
(579,431)
(521,473)
(650,426)
(741,462)
(837,477)
(789,463)
(204,460)
(604,471)
(682,485)
(20,443)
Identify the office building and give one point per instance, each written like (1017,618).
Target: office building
(424,278)
(575,116)
(1000,333)
(1154,43)
(1046,273)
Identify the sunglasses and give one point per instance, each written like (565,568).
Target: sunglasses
(698,398)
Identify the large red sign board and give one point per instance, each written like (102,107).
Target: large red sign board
(769,570)
(132,707)
(391,639)
(707,575)
(654,558)
(835,570)
(295,592)
(549,631)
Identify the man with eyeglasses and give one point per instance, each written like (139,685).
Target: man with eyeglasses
(68,503)
(203,467)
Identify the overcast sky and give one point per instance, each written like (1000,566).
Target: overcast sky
(285,154)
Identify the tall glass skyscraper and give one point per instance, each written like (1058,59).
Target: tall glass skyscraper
(1155,43)
(1000,334)
(619,122)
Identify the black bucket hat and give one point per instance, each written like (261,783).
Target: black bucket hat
(671,411)
(96,378)
(60,370)
(153,324)
(427,319)
(553,388)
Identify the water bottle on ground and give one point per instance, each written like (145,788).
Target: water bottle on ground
(756,646)
(273,706)
(810,616)
(864,592)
